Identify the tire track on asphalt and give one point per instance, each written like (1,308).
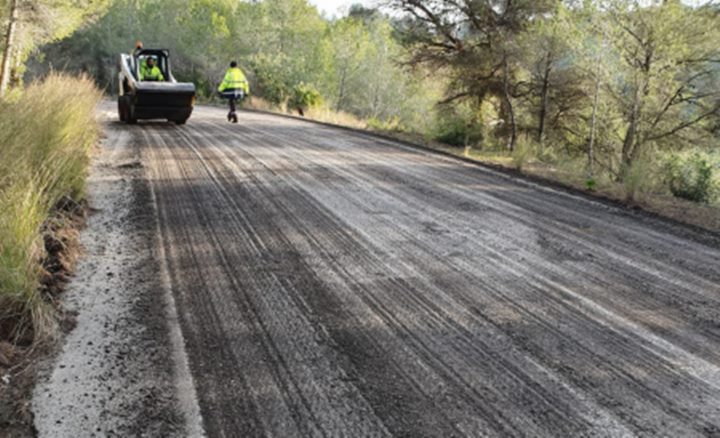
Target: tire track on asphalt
(339,284)
(181,257)
(379,308)
(243,308)
(276,355)
(272,237)
(608,269)
(330,227)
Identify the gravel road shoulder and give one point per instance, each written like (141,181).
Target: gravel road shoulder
(112,375)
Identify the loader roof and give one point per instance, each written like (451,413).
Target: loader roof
(155,52)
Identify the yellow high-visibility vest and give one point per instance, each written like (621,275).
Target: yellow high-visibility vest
(234,80)
(151,73)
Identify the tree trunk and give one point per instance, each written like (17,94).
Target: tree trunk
(508,103)
(629,141)
(341,90)
(16,70)
(634,141)
(628,144)
(593,123)
(544,92)
(9,48)
(376,101)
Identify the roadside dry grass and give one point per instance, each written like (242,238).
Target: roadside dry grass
(47,132)
(572,174)
(321,114)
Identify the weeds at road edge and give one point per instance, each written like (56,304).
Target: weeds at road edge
(47,132)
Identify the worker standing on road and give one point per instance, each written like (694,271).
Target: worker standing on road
(151,72)
(234,87)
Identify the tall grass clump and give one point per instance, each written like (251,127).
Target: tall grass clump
(639,179)
(47,132)
(523,153)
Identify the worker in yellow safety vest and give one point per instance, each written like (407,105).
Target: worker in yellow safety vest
(233,87)
(150,72)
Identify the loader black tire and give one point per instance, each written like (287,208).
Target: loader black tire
(125,110)
(122,109)
(131,118)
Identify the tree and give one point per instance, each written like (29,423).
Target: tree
(552,81)
(349,42)
(477,40)
(35,22)
(9,46)
(285,46)
(586,36)
(667,57)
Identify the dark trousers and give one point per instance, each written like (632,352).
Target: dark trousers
(232,101)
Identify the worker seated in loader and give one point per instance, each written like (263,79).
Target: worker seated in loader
(149,71)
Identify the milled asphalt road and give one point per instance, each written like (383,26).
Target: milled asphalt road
(330,283)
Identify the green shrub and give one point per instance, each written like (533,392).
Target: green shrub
(456,131)
(546,154)
(304,96)
(273,89)
(690,176)
(591,184)
(272,78)
(46,136)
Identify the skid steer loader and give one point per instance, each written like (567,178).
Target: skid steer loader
(143,99)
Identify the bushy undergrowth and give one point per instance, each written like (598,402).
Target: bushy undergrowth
(457,132)
(639,179)
(693,176)
(46,135)
(391,124)
(304,96)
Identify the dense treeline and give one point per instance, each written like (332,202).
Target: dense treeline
(291,53)
(613,90)
(27,24)
(616,81)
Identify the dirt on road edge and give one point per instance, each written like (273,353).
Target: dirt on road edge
(18,361)
(121,371)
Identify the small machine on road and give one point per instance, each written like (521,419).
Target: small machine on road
(158,97)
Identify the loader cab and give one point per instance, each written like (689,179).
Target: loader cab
(161,57)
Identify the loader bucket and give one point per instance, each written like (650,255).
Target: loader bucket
(164,100)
